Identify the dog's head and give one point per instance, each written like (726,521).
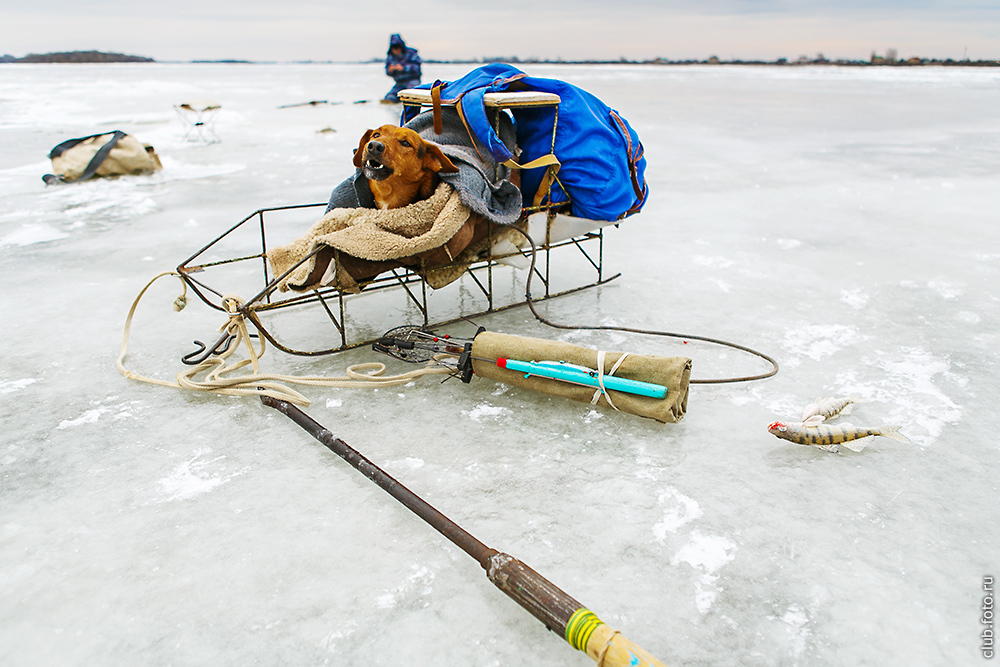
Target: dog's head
(400,164)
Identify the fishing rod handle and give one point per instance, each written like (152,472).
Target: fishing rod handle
(563,615)
(609,648)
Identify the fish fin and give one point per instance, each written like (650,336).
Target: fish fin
(815,420)
(858,445)
(833,449)
(846,410)
(893,433)
(811,409)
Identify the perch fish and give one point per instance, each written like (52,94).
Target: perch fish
(815,433)
(829,407)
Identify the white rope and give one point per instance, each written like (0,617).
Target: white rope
(220,378)
(600,378)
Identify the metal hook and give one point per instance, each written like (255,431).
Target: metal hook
(202,353)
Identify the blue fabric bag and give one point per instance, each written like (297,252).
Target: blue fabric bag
(601,161)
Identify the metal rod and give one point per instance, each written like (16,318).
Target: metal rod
(263,255)
(333,318)
(462,539)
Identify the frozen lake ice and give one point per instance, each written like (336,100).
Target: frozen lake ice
(844,220)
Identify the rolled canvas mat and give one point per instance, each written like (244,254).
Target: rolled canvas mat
(671,372)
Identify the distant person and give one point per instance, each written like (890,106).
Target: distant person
(403,64)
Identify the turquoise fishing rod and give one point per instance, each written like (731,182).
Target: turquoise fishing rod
(560,370)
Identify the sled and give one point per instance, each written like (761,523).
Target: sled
(567,255)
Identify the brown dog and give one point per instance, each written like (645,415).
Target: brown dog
(401,167)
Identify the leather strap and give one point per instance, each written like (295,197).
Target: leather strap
(95,162)
(98,158)
(634,155)
(436,103)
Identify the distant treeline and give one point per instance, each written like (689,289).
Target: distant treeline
(76,57)
(888,60)
(715,60)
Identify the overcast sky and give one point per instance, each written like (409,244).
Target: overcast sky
(290,30)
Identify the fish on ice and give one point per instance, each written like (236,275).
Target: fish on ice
(814,433)
(829,407)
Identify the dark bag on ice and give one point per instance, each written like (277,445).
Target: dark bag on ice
(110,154)
(600,158)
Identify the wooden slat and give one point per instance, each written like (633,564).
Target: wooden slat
(526,98)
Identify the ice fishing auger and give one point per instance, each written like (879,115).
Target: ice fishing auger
(645,385)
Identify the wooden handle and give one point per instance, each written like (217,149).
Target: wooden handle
(546,601)
(563,615)
(608,648)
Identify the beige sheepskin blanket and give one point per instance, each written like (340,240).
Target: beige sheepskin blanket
(372,234)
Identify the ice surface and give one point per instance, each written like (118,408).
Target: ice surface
(843,220)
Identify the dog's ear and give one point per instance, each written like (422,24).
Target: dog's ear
(359,153)
(437,161)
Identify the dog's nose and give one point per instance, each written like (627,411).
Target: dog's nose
(375,147)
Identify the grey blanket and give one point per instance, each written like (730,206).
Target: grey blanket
(482,184)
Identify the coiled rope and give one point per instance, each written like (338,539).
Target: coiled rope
(220,378)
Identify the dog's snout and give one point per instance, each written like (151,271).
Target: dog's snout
(376,147)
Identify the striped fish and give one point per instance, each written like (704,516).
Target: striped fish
(829,407)
(815,433)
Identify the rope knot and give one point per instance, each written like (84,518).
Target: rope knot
(602,391)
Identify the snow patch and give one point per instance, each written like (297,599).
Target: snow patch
(797,622)
(857,298)
(417,583)
(484,411)
(707,553)
(88,417)
(32,233)
(187,481)
(11,386)
(678,511)
(817,341)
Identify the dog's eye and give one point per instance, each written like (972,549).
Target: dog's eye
(404,142)
(375,135)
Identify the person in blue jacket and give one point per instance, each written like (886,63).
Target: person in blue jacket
(402,63)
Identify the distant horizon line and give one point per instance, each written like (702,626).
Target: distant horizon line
(99,57)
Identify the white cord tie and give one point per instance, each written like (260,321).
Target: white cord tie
(600,378)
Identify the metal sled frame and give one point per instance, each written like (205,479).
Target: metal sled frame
(335,303)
